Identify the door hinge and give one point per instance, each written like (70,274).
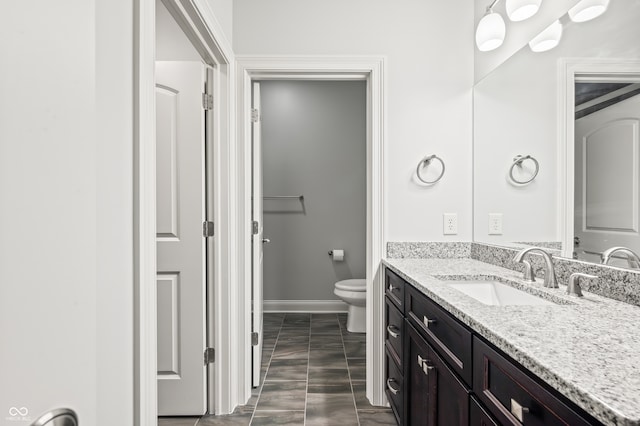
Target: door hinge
(254,339)
(255,227)
(207,101)
(207,229)
(255,115)
(209,356)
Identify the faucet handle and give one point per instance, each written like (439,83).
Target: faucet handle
(574,289)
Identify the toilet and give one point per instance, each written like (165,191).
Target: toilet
(354,294)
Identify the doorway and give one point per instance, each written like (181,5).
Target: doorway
(184,225)
(369,70)
(607,167)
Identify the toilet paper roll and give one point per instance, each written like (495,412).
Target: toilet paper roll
(337,255)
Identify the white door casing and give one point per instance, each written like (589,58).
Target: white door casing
(371,69)
(257,240)
(607,169)
(180,200)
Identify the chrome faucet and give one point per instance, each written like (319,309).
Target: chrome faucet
(573,288)
(632,257)
(550,279)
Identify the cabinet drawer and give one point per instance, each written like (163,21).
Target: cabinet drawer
(395,388)
(394,331)
(449,337)
(513,397)
(478,416)
(394,288)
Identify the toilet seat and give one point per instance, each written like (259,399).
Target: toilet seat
(352,285)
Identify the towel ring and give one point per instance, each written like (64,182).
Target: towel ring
(424,163)
(517,161)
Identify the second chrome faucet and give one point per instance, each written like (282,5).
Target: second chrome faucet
(550,279)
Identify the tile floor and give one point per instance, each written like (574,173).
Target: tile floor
(313,374)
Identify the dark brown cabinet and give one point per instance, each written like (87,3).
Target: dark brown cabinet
(440,373)
(435,395)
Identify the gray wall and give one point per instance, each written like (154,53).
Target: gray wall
(314,144)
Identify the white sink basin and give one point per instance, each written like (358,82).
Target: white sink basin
(496,293)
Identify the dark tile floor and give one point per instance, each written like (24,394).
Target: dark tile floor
(313,374)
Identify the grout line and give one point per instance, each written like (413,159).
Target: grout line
(344,350)
(306,391)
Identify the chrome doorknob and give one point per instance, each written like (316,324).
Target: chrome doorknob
(266,240)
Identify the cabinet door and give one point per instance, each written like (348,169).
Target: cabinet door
(436,397)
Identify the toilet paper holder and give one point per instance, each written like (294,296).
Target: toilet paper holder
(337,255)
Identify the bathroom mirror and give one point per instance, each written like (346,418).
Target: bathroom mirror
(522,108)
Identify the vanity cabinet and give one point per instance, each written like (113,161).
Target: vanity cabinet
(394,344)
(435,396)
(440,373)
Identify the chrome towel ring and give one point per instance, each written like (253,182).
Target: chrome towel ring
(517,161)
(424,163)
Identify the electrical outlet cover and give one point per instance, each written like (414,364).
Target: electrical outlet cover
(450,223)
(495,223)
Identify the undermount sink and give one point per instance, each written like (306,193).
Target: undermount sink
(496,293)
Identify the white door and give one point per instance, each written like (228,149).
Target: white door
(257,240)
(181,247)
(607,170)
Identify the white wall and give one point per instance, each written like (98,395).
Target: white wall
(66,323)
(171,42)
(223,12)
(429,74)
(314,143)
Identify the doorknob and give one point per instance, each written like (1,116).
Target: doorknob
(266,240)
(57,417)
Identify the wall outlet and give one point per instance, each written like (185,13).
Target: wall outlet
(495,223)
(450,223)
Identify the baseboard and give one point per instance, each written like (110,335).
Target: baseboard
(312,306)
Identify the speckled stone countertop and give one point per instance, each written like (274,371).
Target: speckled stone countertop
(586,348)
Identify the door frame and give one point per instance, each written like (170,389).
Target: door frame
(197,20)
(568,70)
(367,68)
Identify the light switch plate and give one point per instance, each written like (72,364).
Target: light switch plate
(450,223)
(495,223)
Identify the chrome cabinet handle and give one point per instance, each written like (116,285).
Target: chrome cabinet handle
(391,287)
(425,364)
(393,331)
(391,388)
(518,410)
(428,321)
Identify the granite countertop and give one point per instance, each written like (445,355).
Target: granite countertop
(587,348)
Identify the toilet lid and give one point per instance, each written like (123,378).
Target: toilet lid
(352,285)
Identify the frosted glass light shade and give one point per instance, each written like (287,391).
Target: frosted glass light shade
(490,32)
(548,38)
(519,10)
(587,10)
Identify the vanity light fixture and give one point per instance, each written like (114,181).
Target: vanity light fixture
(548,38)
(491,30)
(519,10)
(587,10)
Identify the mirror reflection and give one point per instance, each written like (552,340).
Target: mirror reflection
(585,197)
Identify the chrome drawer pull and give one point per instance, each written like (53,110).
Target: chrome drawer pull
(518,410)
(391,287)
(425,364)
(393,331)
(391,388)
(428,321)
